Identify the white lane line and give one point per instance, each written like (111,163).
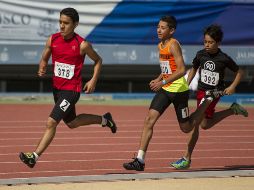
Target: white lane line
(123,120)
(131,151)
(127,144)
(124,159)
(119,131)
(127,126)
(133,137)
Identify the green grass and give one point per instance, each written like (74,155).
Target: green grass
(93,101)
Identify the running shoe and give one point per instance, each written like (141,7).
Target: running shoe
(28,158)
(181,164)
(213,94)
(239,110)
(134,165)
(110,122)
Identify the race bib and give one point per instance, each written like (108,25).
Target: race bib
(64,70)
(165,68)
(209,77)
(64,105)
(185,112)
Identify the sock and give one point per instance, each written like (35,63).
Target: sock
(36,156)
(201,102)
(210,98)
(141,156)
(103,121)
(203,99)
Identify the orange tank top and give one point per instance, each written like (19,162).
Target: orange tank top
(168,66)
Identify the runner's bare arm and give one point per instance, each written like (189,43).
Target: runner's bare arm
(86,48)
(191,75)
(45,58)
(231,89)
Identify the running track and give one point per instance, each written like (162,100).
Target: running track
(93,150)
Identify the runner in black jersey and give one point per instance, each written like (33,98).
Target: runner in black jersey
(211,63)
(212,69)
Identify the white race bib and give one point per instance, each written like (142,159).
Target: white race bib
(165,68)
(185,112)
(64,70)
(209,77)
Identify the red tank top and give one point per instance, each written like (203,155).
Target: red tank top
(67,62)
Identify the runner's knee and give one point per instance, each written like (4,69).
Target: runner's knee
(186,130)
(185,127)
(205,124)
(149,121)
(205,127)
(72,124)
(51,123)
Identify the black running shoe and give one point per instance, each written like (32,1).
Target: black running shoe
(110,122)
(213,94)
(239,110)
(134,165)
(28,158)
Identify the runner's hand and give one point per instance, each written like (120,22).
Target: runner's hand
(89,87)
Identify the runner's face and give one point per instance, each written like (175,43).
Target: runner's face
(67,26)
(211,46)
(163,31)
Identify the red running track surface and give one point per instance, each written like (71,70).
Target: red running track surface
(93,150)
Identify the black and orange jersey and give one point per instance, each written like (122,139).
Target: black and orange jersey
(168,66)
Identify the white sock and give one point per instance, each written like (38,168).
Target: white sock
(36,156)
(103,121)
(202,100)
(141,156)
(210,98)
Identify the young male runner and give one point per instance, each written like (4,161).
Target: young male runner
(212,63)
(68,51)
(170,87)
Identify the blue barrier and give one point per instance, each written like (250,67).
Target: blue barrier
(239,98)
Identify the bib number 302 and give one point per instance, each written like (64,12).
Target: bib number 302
(64,70)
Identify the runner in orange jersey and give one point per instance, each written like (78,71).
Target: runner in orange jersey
(170,87)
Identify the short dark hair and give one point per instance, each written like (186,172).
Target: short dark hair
(70,12)
(215,32)
(171,20)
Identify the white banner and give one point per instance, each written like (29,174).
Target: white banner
(34,21)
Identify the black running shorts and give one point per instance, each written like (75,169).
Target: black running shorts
(163,99)
(64,105)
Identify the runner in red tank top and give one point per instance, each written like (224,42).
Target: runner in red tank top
(68,51)
(67,62)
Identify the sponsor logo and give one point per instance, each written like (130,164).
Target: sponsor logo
(209,65)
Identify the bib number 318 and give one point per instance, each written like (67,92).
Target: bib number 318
(64,70)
